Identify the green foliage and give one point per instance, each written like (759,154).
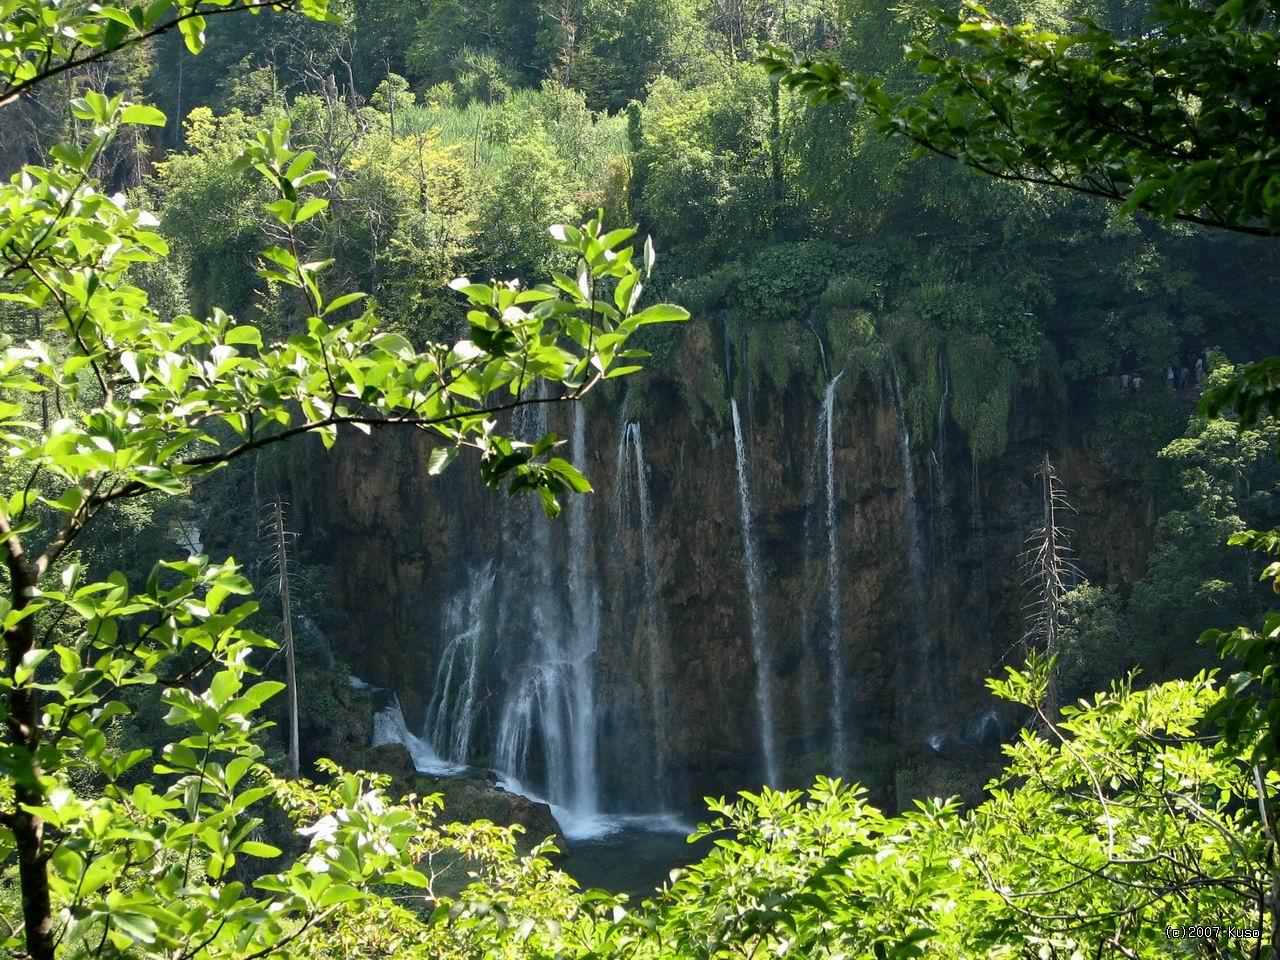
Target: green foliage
(141,406)
(703,388)
(1124,811)
(1250,712)
(1225,482)
(211,211)
(983,381)
(705,151)
(609,49)
(1104,821)
(1172,120)
(1085,109)
(415,189)
(529,193)
(784,281)
(779,352)
(1094,640)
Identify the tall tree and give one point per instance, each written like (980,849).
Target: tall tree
(279,537)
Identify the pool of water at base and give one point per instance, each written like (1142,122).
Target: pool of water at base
(630,860)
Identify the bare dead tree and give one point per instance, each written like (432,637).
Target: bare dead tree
(1049,569)
(567,15)
(278,539)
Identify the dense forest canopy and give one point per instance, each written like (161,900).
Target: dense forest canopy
(228,226)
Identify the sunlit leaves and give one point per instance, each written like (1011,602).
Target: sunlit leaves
(181,373)
(42,39)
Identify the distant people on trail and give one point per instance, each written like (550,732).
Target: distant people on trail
(1176,376)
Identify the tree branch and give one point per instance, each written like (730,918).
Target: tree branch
(48,72)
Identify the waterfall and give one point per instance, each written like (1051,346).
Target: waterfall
(942,428)
(538,688)
(751,569)
(552,695)
(941,519)
(632,474)
(924,643)
(839,720)
(389,727)
(822,347)
(584,639)
(454,705)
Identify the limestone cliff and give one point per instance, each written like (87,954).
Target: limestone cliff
(461,601)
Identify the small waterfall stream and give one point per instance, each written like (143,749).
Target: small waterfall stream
(812,680)
(839,711)
(584,636)
(632,475)
(925,667)
(754,584)
(455,703)
(942,533)
(822,347)
(389,727)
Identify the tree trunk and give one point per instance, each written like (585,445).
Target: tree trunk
(291,677)
(24,728)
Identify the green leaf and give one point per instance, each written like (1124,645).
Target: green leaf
(254,848)
(439,460)
(310,208)
(244,335)
(141,114)
(661,313)
(570,473)
(192,29)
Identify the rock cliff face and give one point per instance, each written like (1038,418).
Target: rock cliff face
(606,658)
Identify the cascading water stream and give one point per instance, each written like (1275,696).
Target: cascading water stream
(631,471)
(539,693)
(917,566)
(584,639)
(752,572)
(389,727)
(839,718)
(942,525)
(822,347)
(454,705)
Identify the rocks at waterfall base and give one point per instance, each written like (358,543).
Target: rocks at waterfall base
(468,797)
(344,737)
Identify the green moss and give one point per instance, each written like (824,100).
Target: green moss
(780,353)
(854,346)
(698,375)
(983,379)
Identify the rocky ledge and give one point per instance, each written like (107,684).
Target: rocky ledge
(468,797)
